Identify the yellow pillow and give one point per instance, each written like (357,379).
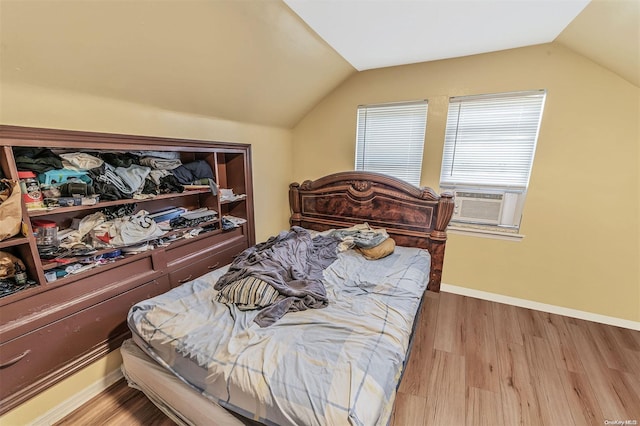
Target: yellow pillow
(383,249)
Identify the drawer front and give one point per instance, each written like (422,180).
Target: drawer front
(205,265)
(31,357)
(185,251)
(44,308)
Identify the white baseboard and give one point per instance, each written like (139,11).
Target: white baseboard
(68,406)
(537,306)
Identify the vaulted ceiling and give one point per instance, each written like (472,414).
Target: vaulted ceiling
(256,60)
(252,61)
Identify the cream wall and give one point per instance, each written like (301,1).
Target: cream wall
(271,156)
(35,410)
(271,151)
(581,217)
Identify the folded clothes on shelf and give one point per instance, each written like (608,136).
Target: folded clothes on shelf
(160,163)
(193,218)
(167,155)
(228,195)
(168,214)
(80,161)
(231,222)
(190,172)
(199,213)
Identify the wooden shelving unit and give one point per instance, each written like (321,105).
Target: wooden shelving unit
(82,316)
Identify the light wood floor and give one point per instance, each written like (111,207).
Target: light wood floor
(475,362)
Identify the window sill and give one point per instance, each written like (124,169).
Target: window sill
(485,232)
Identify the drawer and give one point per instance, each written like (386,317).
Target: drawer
(205,264)
(186,250)
(33,356)
(66,299)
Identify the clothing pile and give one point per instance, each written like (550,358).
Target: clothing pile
(95,230)
(83,178)
(121,226)
(280,275)
(371,243)
(74,178)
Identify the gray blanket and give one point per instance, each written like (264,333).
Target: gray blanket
(292,262)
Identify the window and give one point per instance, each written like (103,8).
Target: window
(489,146)
(390,139)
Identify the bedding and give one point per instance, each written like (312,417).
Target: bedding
(172,396)
(248,293)
(337,365)
(383,249)
(290,262)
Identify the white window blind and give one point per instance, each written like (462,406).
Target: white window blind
(490,140)
(390,139)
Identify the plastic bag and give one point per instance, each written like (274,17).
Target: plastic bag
(10,210)
(8,263)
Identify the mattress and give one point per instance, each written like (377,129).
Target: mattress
(177,400)
(336,365)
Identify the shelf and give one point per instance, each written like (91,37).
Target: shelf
(239,200)
(50,264)
(58,210)
(126,258)
(14,241)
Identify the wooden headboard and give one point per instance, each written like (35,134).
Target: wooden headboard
(415,217)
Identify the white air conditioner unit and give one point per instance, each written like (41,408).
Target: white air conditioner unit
(486,207)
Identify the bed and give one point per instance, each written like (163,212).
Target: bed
(206,362)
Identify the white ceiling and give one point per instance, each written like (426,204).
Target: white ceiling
(380,33)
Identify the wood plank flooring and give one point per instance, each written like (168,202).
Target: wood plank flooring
(487,363)
(118,405)
(476,362)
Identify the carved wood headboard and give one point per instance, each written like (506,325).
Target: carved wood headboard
(414,217)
